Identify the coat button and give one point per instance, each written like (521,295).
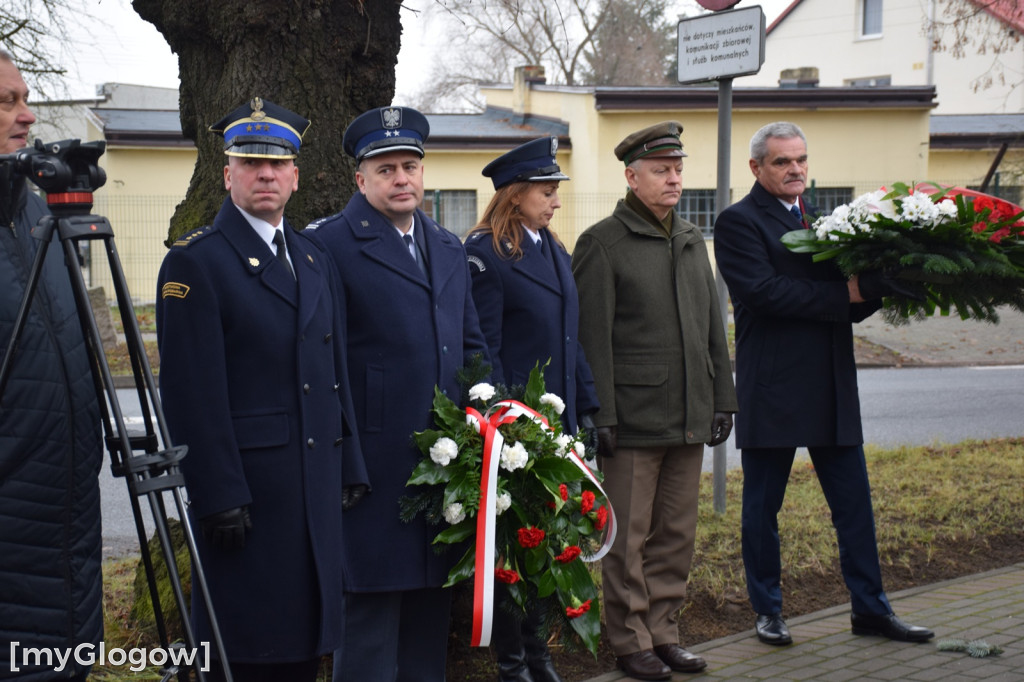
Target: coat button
(305,388)
(336,386)
(327,338)
(310,443)
(444,349)
(338,441)
(689,434)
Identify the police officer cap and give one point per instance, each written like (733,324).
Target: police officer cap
(530,162)
(387,129)
(658,141)
(261,128)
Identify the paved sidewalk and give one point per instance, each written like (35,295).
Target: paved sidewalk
(987,606)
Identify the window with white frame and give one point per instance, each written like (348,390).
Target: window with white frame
(455,209)
(871,18)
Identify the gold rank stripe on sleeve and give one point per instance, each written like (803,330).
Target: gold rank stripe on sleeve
(174,290)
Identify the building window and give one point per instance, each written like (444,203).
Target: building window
(871,21)
(698,207)
(825,199)
(455,209)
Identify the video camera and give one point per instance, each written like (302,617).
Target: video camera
(67,171)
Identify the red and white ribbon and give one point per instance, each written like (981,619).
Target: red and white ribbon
(505,412)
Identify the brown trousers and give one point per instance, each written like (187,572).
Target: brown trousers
(654,493)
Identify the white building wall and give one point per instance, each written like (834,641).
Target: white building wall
(826,34)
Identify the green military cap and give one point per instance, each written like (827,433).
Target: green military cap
(657,141)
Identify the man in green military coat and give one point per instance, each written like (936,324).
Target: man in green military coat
(651,329)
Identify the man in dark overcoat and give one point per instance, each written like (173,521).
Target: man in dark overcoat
(797,384)
(253,379)
(51,447)
(654,338)
(412,325)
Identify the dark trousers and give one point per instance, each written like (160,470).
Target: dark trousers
(843,475)
(394,636)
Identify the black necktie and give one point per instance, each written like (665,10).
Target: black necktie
(795,210)
(409,244)
(282,254)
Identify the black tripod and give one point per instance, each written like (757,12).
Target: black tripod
(148,471)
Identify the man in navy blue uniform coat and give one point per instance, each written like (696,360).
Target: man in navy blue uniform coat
(796,381)
(253,380)
(412,325)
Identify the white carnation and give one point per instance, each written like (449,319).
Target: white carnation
(502,502)
(444,450)
(453,513)
(483,392)
(554,401)
(513,457)
(563,441)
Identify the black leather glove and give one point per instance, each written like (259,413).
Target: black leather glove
(607,440)
(226,529)
(351,494)
(721,427)
(588,434)
(875,284)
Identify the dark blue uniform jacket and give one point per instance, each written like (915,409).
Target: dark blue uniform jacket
(529,313)
(253,380)
(406,334)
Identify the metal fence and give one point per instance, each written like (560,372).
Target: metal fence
(141,223)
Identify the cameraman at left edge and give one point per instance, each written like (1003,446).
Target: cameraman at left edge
(50,447)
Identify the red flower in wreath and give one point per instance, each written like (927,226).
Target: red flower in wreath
(586,502)
(571,612)
(568,554)
(530,537)
(563,490)
(602,518)
(507,576)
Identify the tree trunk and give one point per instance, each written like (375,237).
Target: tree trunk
(328,60)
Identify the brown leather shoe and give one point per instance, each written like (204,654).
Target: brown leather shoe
(644,665)
(679,659)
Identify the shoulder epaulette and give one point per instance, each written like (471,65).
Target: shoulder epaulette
(193,236)
(320,221)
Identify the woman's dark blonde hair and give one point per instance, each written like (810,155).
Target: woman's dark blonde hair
(501,219)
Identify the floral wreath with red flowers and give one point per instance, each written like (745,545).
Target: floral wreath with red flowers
(946,248)
(548,514)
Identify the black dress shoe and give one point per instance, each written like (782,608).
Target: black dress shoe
(679,659)
(644,665)
(888,626)
(771,629)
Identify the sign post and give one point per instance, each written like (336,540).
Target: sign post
(721,46)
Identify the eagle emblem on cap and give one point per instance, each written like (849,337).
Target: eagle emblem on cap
(257,109)
(392,117)
(554,145)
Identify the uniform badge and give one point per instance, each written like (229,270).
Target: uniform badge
(474,260)
(391,117)
(174,290)
(255,262)
(257,109)
(554,145)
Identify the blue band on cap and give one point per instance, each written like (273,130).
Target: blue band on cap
(266,127)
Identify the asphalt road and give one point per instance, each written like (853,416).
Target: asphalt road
(900,406)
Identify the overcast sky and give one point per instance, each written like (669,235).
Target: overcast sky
(123,48)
